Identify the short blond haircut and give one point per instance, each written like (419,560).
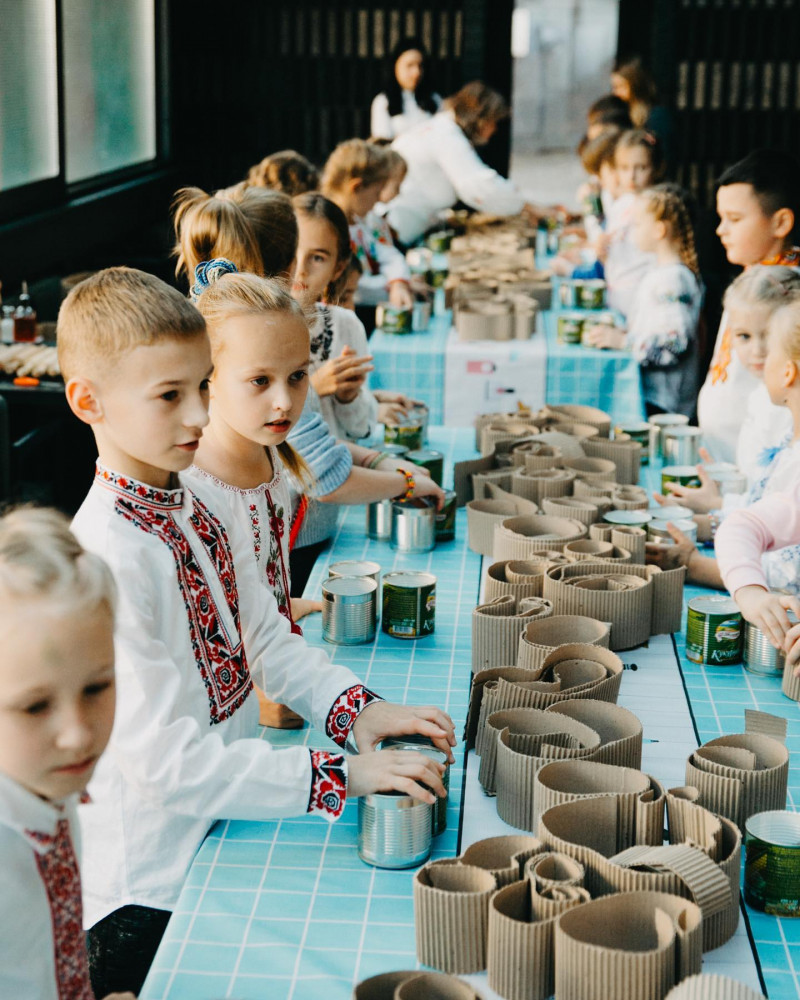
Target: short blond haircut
(355,159)
(250,295)
(771,286)
(789,317)
(115,311)
(40,559)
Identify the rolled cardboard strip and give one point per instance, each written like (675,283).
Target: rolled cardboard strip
(499,585)
(568,444)
(631,945)
(504,857)
(625,454)
(434,986)
(592,469)
(540,638)
(604,489)
(635,541)
(585,414)
(667,600)
(536,456)
(521,570)
(463,473)
(707,883)
(620,731)
(587,548)
(571,428)
(721,927)
(583,509)
(483,419)
(382,987)
(765,724)
(548,904)
(535,486)
(476,714)
(482,482)
(491,319)
(490,727)
(689,821)
(507,433)
(712,987)
(550,869)
(451,916)
(630,498)
(496,627)
(729,787)
(521,537)
(564,781)
(482,516)
(790,684)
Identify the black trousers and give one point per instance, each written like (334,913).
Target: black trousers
(122,947)
(301,562)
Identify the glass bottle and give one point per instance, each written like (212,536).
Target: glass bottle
(24,317)
(7,325)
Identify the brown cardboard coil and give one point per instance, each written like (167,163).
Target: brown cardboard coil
(484,319)
(630,498)
(790,684)
(482,517)
(534,456)
(627,538)
(507,432)
(585,414)
(504,857)
(635,945)
(620,731)
(484,483)
(603,490)
(499,585)
(496,627)
(592,469)
(520,537)
(712,987)
(540,638)
(451,915)
(434,986)
(519,570)
(624,453)
(592,549)
(382,987)
(564,781)
(573,428)
(583,509)
(535,486)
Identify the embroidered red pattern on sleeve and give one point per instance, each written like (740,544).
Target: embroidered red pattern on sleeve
(328,783)
(345,710)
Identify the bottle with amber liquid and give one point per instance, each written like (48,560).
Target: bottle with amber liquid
(24,317)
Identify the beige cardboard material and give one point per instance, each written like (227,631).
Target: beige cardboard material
(592,469)
(634,946)
(382,987)
(476,716)
(585,414)
(496,628)
(634,540)
(463,473)
(690,822)
(451,915)
(575,428)
(478,319)
(507,433)
(604,490)
(538,485)
(564,781)
(534,456)
(588,548)
(482,516)
(550,870)
(434,986)
(519,720)
(504,857)
(620,731)
(712,987)
(569,445)
(484,482)
(499,585)
(536,565)
(765,724)
(587,510)
(626,455)
(790,684)
(631,498)
(707,883)
(540,638)
(521,537)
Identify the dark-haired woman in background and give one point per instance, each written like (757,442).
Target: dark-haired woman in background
(407,97)
(631,82)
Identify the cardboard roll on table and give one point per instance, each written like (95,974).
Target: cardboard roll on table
(519,537)
(541,638)
(585,509)
(712,987)
(496,627)
(590,415)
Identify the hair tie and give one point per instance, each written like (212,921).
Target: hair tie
(650,138)
(208,272)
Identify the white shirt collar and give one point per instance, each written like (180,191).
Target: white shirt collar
(35,818)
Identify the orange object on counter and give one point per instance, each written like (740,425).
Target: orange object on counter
(28,380)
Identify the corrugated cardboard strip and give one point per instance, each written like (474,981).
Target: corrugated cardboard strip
(542,483)
(482,517)
(484,482)
(632,945)
(602,490)
(520,570)
(551,870)
(451,915)
(620,731)
(540,638)
(476,714)
(506,432)
(630,498)
(585,414)
(625,454)
(592,470)
(520,537)
(633,540)
(481,421)
(498,584)
(496,628)
(382,987)
(790,684)
(575,428)
(639,601)
(712,987)
(584,509)
(484,319)
(564,781)
(434,986)
(505,857)
(536,456)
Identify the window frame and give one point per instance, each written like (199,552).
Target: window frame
(54,192)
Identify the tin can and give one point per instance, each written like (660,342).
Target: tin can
(355,567)
(394,830)
(408,435)
(628,518)
(658,422)
(409,605)
(413,525)
(671,513)
(592,204)
(657,531)
(349,610)
(568,293)
(714,631)
(569,327)
(553,237)
(637,432)
(420,415)
(601,319)
(433,461)
(592,293)
(398,450)
(425,746)
(680,445)
(392,319)
(419,259)
(772,862)
(685,475)
(760,656)
(440,240)
(420,316)
(446,518)
(728,477)
(379,520)
(436,276)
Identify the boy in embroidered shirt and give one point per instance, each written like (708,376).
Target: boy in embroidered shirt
(136,359)
(56,713)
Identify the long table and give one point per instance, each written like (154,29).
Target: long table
(285,909)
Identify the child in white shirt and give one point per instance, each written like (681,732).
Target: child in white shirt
(137,361)
(56,713)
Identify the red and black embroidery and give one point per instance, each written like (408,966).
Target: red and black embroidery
(277,575)
(328,783)
(170,499)
(59,873)
(220,656)
(345,710)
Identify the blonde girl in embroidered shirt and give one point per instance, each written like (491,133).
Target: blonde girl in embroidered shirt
(56,714)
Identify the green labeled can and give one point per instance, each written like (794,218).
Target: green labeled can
(440,240)
(433,461)
(592,293)
(397,450)
(409,436)
(637,432)
(392,319)
(685,475)
(570,328)
(425,746)
(714,631)
(409,605)
(446,518)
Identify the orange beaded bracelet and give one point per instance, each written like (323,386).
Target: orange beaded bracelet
(411,484)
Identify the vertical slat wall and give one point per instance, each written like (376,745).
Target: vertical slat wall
(302,75)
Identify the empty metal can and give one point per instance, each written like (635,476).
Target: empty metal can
(355,567)
(420,316)
(446,518)
(409,434)
(628,518)
(394,830)
(685,475)
(569,327)
(568,293)
(349,610)
(637,432)
(681,445)
(760,656)
(433,461)
(728,477)
(379,520)
(425,746)
(392,319)
(657,531)
(591,293)
(413,525)
(658,423)
(772,862)
(409,605)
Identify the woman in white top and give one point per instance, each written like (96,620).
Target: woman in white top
(408,98)
(443,166)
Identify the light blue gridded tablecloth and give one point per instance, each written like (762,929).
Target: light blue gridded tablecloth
(413,363)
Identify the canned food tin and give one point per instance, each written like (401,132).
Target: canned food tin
(409,435)
(714,631)
(760,656)
(355,567)
(439,241)
(658,422)
(349,610)
(392,319)
(398,450)
(436,276)
(379,520)
(446,518)
(670,513)
(433,461)
(592,204)
(568,294)
(420,316)
(681,445)
(425,746)
(657,531)
(409,605)
(394,831)
(419,259)
(592,293)
(413,525)
(686,475)
(637,432)
(629,518)
(772,862)
(420,415)
(728,477)
(570,328)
